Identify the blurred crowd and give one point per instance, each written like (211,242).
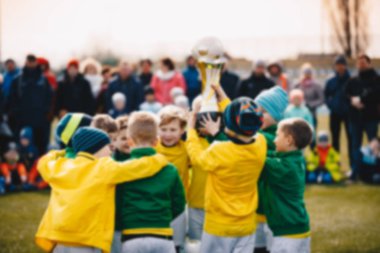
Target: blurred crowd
(33,96)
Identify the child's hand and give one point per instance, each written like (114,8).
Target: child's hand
(192,120)
(219,92)
(209,126)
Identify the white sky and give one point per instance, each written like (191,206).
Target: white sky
(61,29)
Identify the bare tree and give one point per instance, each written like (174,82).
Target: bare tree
(349,19)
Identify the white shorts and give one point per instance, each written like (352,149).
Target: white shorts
(219,244)
(264,236)
(196,221)
(290,245)
(148,244)
(116,242)
(179,230)
(69,249)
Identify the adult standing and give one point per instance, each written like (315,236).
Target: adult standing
(49,75)
(256,83)
(146,72)
(74,92)
(191,75)
(276,73)
(229,82)
(11,72)
(126,83)
(337,102)
(165,80)
(312,90)
(363,92)
(30,101)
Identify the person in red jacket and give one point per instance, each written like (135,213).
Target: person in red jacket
(165,79)
(49,75)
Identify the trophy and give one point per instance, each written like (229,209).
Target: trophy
(209,54)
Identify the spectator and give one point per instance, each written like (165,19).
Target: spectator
(30,103)
(28,151)
(11,72)
(150,104)
(256,83)
(100,100)
(323,163)
(146,72)
(119,102)
(278,77)
(229,82)
(313,92)
(165,80)
(337,102)
(49,75)
(176,92)
(35,181)
(74,92)
(297,109)
(182,102)
(363,92)
(370,162)
(191,75)
(13,170)
(127,84)
(91,72)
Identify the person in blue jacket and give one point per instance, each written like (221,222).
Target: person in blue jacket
(192,78)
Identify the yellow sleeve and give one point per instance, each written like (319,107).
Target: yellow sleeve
(115,172)
(223,104)
(205,158)
(43,162)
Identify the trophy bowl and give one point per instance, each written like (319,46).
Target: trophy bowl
(209,53)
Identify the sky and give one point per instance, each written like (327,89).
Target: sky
(270,29)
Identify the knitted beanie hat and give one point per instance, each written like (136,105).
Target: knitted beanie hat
(274,101)
(69,124)
(90,140)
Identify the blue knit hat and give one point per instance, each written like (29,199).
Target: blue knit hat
(27,133)
(69,124)
(242,119)
(90,140)
(274,101)
(340,60)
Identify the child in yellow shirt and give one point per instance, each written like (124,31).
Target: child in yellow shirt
(81,213)
(233,170)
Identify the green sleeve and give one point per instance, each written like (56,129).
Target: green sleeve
(178,196)
(274,170)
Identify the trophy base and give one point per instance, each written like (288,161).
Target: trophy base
(214,116)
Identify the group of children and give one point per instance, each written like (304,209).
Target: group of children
(142,183)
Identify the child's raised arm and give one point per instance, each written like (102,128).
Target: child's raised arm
(115,173)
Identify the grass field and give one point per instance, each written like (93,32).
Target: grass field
(344,218)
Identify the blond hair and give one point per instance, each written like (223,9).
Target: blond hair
(142,127)
(106,123)
(171,113)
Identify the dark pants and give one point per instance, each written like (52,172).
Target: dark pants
(357,128)
(335,127)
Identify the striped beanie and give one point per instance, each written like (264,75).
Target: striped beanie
(69,124)
(274,101)
(89,140)
(242,119)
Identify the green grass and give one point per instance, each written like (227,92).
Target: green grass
(344,219)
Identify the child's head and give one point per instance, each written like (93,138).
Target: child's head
(93,141)
(107,124)
(142,130)
(69,124)
(172,125)
(272,103)
(11,154)
(119,101)
(149,95)
(242,120)
(323,139)
(296,97)
(121,143)
(176,92)
(26,136)
(293,134)
(182,102)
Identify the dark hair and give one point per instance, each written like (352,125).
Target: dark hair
(150,63)
(9,61)
(148,91)
(31,58)
(365,57)
(299,130)
(168,63)
(106,70)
